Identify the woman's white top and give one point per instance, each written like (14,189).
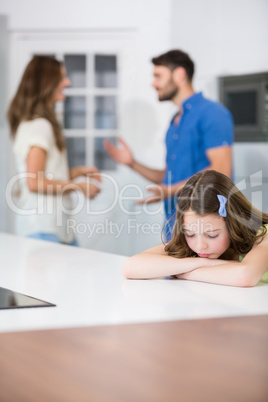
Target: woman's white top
(37,212)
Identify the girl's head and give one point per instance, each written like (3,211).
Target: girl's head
(210,226)
(207,236)
(41,86)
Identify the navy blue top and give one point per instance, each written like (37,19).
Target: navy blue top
(204,124)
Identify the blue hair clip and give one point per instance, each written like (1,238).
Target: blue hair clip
(222,209)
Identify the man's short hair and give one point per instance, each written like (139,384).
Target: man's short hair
(174,59)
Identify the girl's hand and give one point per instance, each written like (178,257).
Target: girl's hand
(184,276)
(209,263)
(88,189)
(90,171)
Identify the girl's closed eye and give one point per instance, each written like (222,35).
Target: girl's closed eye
(212,236)
(189,234)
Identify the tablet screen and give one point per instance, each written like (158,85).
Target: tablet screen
(11,299)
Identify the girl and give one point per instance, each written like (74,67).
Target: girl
(219,237)
(44,198)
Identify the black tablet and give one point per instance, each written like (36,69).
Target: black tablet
(11,299)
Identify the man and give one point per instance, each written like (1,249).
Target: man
(199,137)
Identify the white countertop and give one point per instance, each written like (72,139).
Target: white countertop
(88,289)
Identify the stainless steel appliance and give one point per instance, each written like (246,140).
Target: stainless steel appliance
(246,96)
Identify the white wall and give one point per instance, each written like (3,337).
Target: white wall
(224,37)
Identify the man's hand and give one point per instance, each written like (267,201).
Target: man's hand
(120,155)
(159,193)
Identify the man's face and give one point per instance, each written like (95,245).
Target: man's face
(164,84)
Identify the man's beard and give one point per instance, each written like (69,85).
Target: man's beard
(168,95)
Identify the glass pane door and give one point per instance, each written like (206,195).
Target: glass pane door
(90,108)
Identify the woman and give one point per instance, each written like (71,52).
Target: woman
(46,182)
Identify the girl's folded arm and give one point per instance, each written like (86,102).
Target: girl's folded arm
(245,274)
(155,263)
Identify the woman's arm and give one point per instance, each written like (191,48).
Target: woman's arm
(38,183)
(245,274)
(155,263)
(89,171)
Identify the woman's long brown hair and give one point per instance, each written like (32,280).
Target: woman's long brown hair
(245,223)
(34,96)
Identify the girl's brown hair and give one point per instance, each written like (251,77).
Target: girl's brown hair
(34,96)
(245,223)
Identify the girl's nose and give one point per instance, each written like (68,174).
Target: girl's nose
(202,244)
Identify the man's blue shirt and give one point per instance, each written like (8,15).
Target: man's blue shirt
(204,124)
